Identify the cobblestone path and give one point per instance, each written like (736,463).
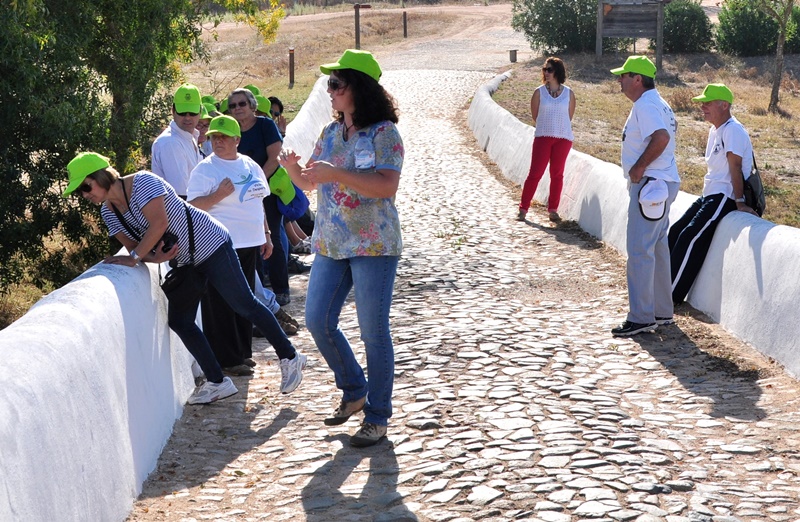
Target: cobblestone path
(512,400)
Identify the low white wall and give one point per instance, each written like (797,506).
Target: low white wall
(92,381)
(748,282)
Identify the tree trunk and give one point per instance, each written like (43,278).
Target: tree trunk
(778,76)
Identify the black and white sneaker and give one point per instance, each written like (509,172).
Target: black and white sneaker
(628,328)
(663,321)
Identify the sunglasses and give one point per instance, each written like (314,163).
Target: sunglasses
(275,114)
(547,69)
(85,188)
(188,113)
(240,104)
(335,85)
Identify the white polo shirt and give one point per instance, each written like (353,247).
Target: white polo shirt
(731,136)
(175,153)
(649,114)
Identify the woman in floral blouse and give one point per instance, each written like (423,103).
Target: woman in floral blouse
(356,237)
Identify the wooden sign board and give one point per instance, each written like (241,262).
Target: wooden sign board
(630,19)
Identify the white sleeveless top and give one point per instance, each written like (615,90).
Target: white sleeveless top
(553,120)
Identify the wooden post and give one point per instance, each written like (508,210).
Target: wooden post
(660,35)
(598,46)
(291,67)
(357,8)
(405,25)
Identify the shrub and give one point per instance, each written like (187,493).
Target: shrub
(792,45)
(687,29)
(743,30)
(554,26)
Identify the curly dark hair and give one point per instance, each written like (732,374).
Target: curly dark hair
(372,102)
(559,69)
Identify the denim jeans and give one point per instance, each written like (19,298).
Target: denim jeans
(224,273)
(330,282)
(266,296)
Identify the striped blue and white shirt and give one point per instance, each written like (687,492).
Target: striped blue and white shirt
(209,234)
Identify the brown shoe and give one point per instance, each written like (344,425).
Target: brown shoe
(250,362)
(554,217)
(369,435)
(281,315)
(521,215)
(344,411)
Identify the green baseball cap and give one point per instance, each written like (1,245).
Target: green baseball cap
(715,91)
(187,99)
(264,105)
(210,110)
(204,115)
(81,166)
(223,105)
(637,65)
(252,88)
(224,125)
(357,60)
(208,99)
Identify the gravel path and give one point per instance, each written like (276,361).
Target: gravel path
(512,400)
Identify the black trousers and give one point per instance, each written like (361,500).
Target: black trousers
(229,334)
(690,238)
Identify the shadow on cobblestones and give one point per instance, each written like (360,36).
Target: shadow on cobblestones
(731,391)
(336,491)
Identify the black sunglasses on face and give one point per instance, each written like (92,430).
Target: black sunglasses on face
(275,114)
(240,104)
(85,188)
(547,69)
(188,113)
(335,85)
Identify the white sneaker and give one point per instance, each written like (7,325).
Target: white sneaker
(212,392)
(292,372)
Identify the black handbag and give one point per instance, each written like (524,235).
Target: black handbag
(184,285)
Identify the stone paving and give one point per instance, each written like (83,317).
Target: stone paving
(512,400)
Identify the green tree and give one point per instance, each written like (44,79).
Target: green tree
(556,26)
(687,29)
(85,75)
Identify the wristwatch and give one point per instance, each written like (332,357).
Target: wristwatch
(740,200)
(135,256)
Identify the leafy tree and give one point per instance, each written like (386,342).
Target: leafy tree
(556,26)
(687,29)
(84,75)
(743,30)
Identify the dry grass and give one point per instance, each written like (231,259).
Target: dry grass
(239,57)
(602,110)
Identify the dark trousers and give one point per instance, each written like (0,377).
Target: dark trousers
(224,273)
(690,238)
(229,334)
(276,265)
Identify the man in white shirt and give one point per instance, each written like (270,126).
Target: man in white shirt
(648,161)
(729,156)
(175,152)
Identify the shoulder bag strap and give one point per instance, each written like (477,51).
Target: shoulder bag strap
(191,232)
(125,224)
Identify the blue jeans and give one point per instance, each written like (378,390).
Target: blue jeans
(224,273)
(330,282)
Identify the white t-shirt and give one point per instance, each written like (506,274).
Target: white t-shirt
(731,136)
(175,154)
(649,114)
(242,212)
